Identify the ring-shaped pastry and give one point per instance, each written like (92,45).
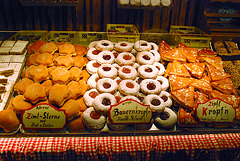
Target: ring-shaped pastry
(103,102)
(128,87)
(92,80)
(93,120)
(123,46)
(150,86)
(155,102)
(166,119)
(148,71)
(92,66)
(105,57)
(89,96)
(92,54)
(153,46)
(107,71)
(166,97)
(142,45)
(104,45)
(156,55)
(164,82)
(92,44)
(106,85)
(145,58)
(160,67)
(127,72)
(125,58)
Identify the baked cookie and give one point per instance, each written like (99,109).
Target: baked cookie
(31,60)
(79,61)
(84,86)
(49,47)
(35,92)
(75,89)
(71,108)
(59,94)
(45,59)
(9,120)
(76,73)
(64,61)
(80,49)
(47,84)
(76,125)
(37,73)
(60,75)
(18,104)
(20,86)
(67,49)
(83,106)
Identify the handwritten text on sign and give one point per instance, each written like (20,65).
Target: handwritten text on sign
(130,112)
(215,110)
(44,117)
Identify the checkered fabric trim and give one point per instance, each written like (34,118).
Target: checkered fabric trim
(107,146)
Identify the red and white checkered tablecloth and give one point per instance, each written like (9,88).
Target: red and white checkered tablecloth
(109,147)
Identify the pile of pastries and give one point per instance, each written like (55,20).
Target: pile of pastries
(195,77)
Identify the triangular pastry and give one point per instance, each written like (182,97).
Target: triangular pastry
(187,119)
(206,52)
(202,85)
(200,97)
(184,96)
(194,69)
(225,86)
(169,66)
(216,74)
(215,61)
(164,48)
(179,69)
(174,54)
(189,53)
(177,82)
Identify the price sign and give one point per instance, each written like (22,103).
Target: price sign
(130,112)
(215,110)
(44,117)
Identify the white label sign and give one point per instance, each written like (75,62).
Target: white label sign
(130,112)
(44,117)
(215,110)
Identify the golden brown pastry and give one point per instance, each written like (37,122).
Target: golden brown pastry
(84,86)
(8,120)
(67,49)
(60,75)
(83,106)
(59,94)
(71,108)
(47,84)
(37,73)
(45,59)
(20,86)
(85,75)
(35,92)
(18,104)
(65,61)
(76,125)
(80,49)
(79,61)
(49,47)
(31,60)
(75,89)
(76,73)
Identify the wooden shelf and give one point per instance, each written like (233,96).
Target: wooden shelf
(217,15)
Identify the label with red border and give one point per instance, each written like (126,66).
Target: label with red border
(44,117)
(215,110)
(130,112)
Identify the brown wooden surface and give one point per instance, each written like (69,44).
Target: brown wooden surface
(92,15)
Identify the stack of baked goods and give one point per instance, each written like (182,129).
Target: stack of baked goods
(226,48)
(195,77)
(123,71)
(54,74)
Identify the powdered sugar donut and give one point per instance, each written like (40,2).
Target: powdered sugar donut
(164,82)
(89,96)
(105,57)
(92,54)
(104,45)
(125,58)
(135,2)
(92,66)
(127,72)
(155,3)
(160,67)
(107,71)
(155,102)
(124,1)
(166,97)
(123,46)
(148,71)
(103,101)
(92,80)
(93,120)
(92,44)
(128,87)
(145,2)
(156,55)
(166,3)
(150,86)
(166,119)
(142,45)
(145,58)
(106,85)
(129,97)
